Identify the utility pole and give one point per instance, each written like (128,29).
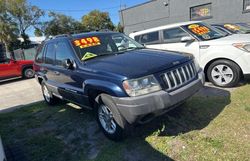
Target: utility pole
(122,19)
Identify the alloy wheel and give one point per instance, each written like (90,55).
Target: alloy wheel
(46,93)
(222,74)
(106,119)
(29,73)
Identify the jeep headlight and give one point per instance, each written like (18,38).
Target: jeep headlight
(141,86)
(243,46)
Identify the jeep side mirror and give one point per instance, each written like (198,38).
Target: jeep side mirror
(68,64)
(187,39)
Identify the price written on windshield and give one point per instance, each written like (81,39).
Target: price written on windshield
(199,30)
(87,42)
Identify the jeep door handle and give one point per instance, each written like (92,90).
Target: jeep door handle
(56,73)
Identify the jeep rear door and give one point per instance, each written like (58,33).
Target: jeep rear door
(49,68)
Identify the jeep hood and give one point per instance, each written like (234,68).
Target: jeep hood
(136,63)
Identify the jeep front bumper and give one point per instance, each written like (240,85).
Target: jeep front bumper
(133,109)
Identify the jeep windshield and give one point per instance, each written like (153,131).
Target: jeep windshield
(203,31)
(107,44)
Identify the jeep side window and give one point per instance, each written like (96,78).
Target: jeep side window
(50,53)
(39,56)
(62,52)
(174,35)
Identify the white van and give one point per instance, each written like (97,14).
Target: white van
(224,58)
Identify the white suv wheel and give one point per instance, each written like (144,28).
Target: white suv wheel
(222,74)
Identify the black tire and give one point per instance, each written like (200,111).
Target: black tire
(49,98)
(232,79)
(120,123)
(28,73)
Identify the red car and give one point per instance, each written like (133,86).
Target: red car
(15,68)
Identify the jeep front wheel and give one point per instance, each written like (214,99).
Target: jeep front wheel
(110,121)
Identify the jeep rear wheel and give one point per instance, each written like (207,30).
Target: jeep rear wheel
(48,96)
(110,121)
(28,73)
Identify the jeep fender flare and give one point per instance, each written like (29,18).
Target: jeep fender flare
(109,88)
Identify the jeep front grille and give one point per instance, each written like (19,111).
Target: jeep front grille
(179,76)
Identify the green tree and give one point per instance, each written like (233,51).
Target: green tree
(62,24)
(40,28)
(24,15)
(119,28)
(97,20)
(8,27)
(38,32)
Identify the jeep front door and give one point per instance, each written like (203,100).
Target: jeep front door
(69,80)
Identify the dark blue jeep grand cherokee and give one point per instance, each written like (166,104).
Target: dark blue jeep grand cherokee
(121,80)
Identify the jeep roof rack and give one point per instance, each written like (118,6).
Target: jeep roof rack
(103,30)
(59,36)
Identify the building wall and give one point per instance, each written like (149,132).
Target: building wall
(155,13)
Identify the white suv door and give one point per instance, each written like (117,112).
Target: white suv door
(176,39)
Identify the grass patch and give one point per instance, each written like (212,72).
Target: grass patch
(205,128)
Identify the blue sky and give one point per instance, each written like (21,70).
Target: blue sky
(78,8)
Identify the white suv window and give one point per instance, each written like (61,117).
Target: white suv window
(149,38)
(173,35)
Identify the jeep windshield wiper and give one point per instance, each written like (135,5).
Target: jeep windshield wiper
(132,48)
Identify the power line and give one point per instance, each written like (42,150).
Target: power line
(58,10)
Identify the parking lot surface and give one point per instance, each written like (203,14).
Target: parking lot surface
(17,93)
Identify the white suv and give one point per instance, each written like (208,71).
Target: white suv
(224,58)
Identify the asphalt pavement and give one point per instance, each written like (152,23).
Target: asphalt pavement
(18,93)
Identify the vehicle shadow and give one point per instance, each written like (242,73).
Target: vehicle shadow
(11,80)
(196,114)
